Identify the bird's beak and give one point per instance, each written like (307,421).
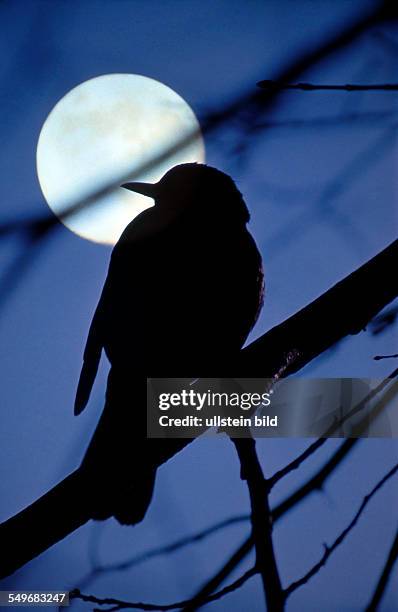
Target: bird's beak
(146,189)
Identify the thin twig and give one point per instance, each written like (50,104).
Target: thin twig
(315,483)
(278,85)
(293,465)
(119,566)
(118,604)
(330,549)
(385,576)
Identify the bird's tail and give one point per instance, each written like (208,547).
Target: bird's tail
(47,521)
(73,502)
(131,503)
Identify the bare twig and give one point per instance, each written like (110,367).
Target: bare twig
(384,577)
(330,549)
(293,465)
(99,569)
(315,483)
(118,604)
(270,85)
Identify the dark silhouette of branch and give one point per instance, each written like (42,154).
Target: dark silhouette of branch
(378,357)
(249,463)
(261,521)
(99,569)
(126,564)
(384,577)
(345,309)
(383,321)
(267,84)
(315,483)
(293,465)
(364,424)
(330,549)
(118,604)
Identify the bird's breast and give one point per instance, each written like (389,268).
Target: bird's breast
(182,298)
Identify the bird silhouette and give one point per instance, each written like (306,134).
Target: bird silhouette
(183,290)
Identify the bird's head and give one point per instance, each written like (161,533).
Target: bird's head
(196,187)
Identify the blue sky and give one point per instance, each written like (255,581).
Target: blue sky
(323,201)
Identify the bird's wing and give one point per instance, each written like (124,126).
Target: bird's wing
(91,358)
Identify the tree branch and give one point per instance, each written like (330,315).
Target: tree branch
(248,458)
(118,604)
(278,85)
(126,564)
(261,520)
(295,464)
(330,549)
(385,576)
(316,482)
(343,310)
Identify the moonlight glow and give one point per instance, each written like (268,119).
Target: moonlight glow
(102,131)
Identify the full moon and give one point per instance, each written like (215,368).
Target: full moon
(105,130)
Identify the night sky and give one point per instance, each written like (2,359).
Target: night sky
(320,182)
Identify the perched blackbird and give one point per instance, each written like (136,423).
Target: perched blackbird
(184,288)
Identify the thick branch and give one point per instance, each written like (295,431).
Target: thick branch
(343,310)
